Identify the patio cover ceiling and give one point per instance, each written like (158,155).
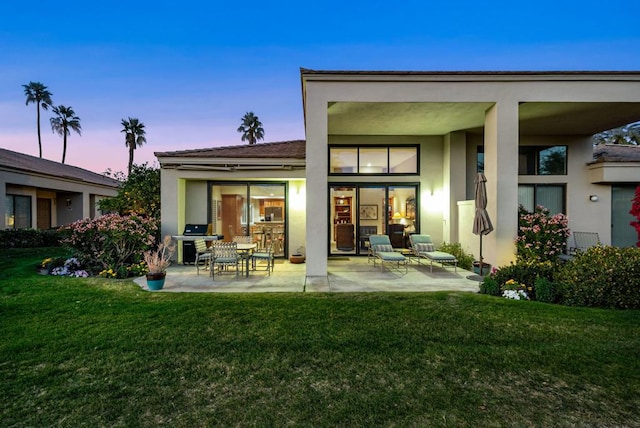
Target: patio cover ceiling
(536,118)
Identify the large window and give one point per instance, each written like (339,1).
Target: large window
(18,212)
(535,160)
(374,160)
(550,196)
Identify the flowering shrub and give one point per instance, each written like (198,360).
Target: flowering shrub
(111,241)
(71,267)
(602,276)
(523,275)
(541,237)
(515,294)
(512,289)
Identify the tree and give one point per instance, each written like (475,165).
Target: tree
(63,123)
(251,128)
(627,134)
(139,193)
(134,137)
(37,93)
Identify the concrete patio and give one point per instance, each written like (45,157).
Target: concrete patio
(346,274)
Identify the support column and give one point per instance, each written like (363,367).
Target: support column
(501,141)
(454,180)
(317,186)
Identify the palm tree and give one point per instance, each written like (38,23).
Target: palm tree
(65,121)
(134,137)
(37,93)
(251,128)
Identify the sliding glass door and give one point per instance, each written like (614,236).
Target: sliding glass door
(256,210)
(360,210)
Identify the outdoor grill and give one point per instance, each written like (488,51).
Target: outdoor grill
(189,247)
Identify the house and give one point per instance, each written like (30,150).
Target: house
(397,152)
(40,193)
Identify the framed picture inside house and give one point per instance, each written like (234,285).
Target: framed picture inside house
(368,212)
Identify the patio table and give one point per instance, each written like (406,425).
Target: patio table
(245,250)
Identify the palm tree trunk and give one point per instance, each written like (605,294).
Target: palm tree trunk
(131,148)
(39,139)
(64,147)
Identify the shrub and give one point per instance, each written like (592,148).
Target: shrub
(602,276)
(111,242)
(545,290)
(541,237)
(465,260)
(490,286)
(29,238)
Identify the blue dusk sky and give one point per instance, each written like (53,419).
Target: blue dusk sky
(190,70)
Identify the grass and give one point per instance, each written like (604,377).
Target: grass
(94,352)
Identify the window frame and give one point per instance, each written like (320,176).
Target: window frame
(10,203)
(386,170)
(535,152)
(535,187)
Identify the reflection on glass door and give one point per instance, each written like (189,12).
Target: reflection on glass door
(360,211)
(342,228)
(255,212)
(371,215)
(401,215)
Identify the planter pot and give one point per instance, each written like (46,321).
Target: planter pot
(296,259)
(486,268)
(155,281)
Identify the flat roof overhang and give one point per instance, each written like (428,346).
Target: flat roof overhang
(440,118)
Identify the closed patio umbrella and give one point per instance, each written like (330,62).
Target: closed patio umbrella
(481,221)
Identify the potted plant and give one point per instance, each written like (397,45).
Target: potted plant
(298,257)
(158,261)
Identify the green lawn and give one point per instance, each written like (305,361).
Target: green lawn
(93,352)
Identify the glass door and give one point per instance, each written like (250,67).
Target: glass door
(359,211)
(372,210)
(342,228)
(254,210)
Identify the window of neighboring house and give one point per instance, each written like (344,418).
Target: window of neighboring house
(375,160)
(550,196)
(535,160)
(18,212)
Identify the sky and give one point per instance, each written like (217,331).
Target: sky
(190,70)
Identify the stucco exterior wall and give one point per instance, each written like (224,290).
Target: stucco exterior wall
(185,200)
(58,190)
(505,94)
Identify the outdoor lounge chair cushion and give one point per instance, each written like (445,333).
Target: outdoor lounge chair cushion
(383,248)
(439,256)
(422,247)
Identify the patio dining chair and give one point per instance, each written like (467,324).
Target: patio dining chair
(203,254)
(225,255)
(423,248)
(263,255)
(381,250)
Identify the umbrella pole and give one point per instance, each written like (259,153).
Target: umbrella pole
(481,264)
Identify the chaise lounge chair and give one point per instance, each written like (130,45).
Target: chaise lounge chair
(423,248)
(380,249)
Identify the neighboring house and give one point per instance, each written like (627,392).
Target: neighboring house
(41,194)
(395,152)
